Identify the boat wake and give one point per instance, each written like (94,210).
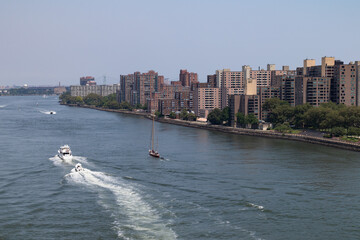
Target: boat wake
(3,106)
(133,217)
(256,206)
(60,162)
(47,112)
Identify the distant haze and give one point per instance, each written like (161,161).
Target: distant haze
(47,42)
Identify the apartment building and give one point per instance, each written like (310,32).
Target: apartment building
(187,78)
(265,93)
(102,90)
(249,102)
(88,80)
(206,99)
(127,84)
(346,84)
(316,90)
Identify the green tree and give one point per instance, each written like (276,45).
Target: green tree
(191,117)
(272,103)
(281,114)
(283,128)
(113,104)
(351,116)
(79,100)
(172,115)
(93,99)
(158,114)
(64,97)
(184,114)
(214,116)
(315,116)
(338,131)
(332,105)
(251,119)
(225,115)
(125,105)
(332,119)
(353,131)
(240,119)
(299,115)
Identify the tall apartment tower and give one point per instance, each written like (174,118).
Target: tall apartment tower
(250,84)
(271,67)
(126,83)
(327,66)
(308,63)
(220,77)
(316,90)
(187,78)
(357,65)
(346,84)
(285,68)
(211,80)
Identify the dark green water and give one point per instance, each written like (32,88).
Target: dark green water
(209,186)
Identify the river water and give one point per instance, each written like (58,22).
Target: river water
(209,185)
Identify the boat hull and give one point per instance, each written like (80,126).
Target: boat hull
(154,154)
(65,158)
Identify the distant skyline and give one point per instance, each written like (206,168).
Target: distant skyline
(46,42)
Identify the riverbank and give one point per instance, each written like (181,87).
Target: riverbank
(337,143)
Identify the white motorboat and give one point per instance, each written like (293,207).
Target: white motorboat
(65,153)
(52,112)
(78,168)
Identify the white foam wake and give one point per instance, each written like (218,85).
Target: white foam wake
(60,162)
(133,217)
(256,206)
(2,106)
(47,112)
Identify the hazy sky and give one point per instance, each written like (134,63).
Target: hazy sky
(44,42)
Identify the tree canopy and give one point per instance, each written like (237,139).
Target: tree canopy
(330,116)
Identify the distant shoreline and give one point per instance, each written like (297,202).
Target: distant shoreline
(241,131)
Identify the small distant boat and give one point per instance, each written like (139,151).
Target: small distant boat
(153,152)
(65,153)
(52,112)
(78,168)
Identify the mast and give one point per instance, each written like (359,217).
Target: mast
(152,135)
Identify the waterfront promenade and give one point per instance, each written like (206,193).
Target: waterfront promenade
(330,142)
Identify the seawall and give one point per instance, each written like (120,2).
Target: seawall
(240,131)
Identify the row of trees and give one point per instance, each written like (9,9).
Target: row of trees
(219,117)
(30,91)
(243,120)
(222,117)
(337,119)
(96,100)
(184,115)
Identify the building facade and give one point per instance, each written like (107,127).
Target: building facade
(88,80)
(102,90)
(187,78)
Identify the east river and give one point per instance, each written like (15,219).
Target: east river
(208,185)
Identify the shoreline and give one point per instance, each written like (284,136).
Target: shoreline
(240,131)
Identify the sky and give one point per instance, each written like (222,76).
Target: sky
(44,42)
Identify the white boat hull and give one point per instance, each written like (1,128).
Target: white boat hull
(65,157)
